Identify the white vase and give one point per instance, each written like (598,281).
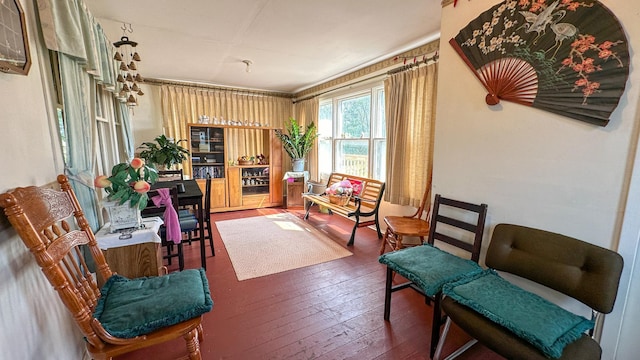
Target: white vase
(297,164)
(122,216)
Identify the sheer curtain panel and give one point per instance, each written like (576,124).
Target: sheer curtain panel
(410,98)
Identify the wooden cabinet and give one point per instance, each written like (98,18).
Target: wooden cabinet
(215,150)
(137,260)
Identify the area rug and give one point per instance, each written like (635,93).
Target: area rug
(265,245)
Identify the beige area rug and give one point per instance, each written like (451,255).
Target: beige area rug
(265,245)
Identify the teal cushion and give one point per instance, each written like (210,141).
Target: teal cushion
(429,267)
(543,324)
(131,307)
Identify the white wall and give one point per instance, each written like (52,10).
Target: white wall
(532,167)
(35,324)
(147,116)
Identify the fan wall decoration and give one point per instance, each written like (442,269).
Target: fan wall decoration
(563,56)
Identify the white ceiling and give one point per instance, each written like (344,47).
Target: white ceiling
(293,44)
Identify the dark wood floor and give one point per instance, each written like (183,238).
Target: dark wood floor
(327,311)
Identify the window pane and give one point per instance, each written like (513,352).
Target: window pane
(62,130)
(379,159)
(325,154)
(354,119)
(325,120)
(380,127)
(352,157)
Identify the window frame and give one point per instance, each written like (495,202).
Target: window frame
(376,168)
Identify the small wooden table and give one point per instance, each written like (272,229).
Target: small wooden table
(135,256)
(296,184)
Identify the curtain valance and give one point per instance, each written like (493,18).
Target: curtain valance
(69,27)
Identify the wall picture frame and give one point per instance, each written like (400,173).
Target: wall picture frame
(14,44)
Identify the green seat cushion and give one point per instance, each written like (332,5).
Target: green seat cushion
(543,324)
(429,267)
(131,307)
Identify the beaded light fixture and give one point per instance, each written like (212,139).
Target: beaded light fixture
(128,76)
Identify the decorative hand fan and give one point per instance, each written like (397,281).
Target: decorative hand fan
(568,57)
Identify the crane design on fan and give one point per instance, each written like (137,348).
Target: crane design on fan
(578,69)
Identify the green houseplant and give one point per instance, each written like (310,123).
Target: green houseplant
(296,143)
(163,152)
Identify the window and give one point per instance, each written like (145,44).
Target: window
(109,138)
(352,134)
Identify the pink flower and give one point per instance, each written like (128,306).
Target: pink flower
(137,163)
(604,54)
(141,187)
(606,45)
(102,182)
(581,82)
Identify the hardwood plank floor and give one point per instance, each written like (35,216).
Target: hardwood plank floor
(327,311)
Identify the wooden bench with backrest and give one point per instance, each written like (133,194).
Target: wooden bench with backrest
(364,204)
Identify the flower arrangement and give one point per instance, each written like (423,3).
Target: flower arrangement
(342,188)
(128,182)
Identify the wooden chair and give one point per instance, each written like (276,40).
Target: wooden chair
(170,175)
(125,314)
(400,226)
(428,268)
(207,214)
(188,224)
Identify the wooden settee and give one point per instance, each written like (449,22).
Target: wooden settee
(365,204)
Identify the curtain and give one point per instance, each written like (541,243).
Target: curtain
(86,58)
(124,115)
(183,104)
(410,102)
(306,112)
(78,95)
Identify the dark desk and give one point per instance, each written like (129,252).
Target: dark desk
(192,196)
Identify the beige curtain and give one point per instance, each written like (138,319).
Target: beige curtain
(410,98)
(183,104)
(306,112)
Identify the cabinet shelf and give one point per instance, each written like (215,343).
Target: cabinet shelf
(237,186)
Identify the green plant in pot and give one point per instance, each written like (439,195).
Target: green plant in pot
(296,143)
(164,152)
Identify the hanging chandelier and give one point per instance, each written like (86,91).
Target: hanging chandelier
(128,76)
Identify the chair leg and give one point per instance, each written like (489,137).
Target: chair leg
(443,338)
(384,241)
(387,293)
(210,236)
(180,257)
(193,346)
(436,323)
(169,247)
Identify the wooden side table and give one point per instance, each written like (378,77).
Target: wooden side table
(135,256)
(296,184)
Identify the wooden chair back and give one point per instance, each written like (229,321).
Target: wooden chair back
(52,225)
(439,222)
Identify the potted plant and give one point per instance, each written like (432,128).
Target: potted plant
(296,143)
(164,152)
(126,189)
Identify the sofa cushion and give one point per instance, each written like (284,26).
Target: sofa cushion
(131,307)
(429,267)
(543,324)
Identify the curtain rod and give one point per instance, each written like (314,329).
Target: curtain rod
(218,88)
(402,68)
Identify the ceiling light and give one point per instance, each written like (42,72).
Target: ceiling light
(248,63)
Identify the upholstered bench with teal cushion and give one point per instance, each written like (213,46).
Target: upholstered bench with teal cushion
(541,323)
(429,267)
(131,307)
